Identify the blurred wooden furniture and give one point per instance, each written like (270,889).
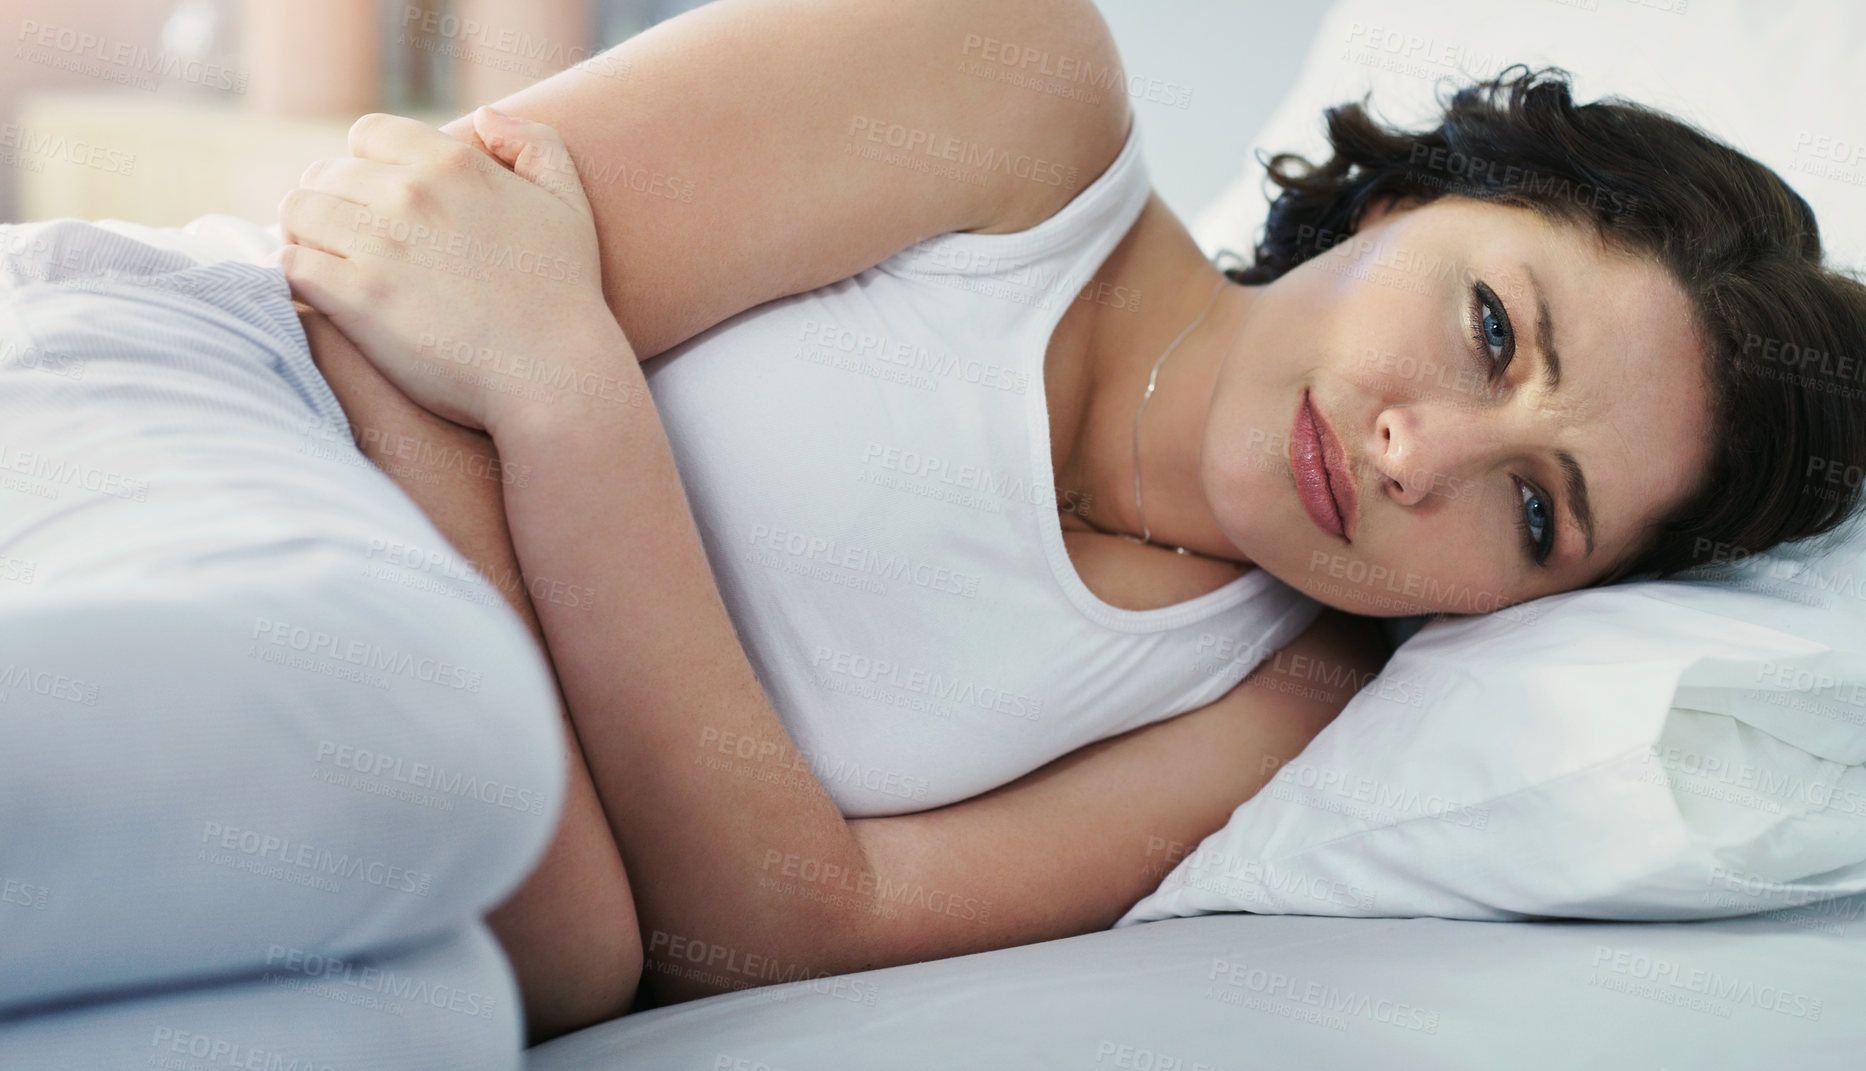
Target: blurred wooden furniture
(163,162)
(311,60)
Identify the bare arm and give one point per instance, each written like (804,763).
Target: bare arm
(570,929)
(749,111)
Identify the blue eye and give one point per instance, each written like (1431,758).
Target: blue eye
(1490,329)
(1493,329)
(1536,524)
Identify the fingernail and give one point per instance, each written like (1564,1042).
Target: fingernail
(496,112)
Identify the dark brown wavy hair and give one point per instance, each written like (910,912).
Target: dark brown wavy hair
(1787,335)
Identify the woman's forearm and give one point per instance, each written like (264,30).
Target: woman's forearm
(565,929)
(655,678)
(647,660)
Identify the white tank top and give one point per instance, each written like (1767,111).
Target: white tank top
(869,464)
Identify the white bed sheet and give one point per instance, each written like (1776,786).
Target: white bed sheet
(1294,992)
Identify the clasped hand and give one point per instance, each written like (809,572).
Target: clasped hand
(471,287)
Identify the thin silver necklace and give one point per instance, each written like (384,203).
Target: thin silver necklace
(1146,533)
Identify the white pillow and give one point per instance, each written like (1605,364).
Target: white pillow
(1679,749)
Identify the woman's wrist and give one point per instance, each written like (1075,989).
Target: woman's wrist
(591,374)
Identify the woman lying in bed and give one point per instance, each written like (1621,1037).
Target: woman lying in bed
(1468,368)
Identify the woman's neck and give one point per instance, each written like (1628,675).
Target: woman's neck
(1159,282)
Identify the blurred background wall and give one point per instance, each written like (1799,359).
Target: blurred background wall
(162,110)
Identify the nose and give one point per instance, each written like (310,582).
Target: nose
(1423,446)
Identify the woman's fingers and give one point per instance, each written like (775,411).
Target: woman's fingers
(329,284)
(366,182)
(417,232)
(324,222)
(397,139)
(534,152)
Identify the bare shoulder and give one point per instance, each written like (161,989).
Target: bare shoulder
(1023,102)
(1044,79)
(751,149)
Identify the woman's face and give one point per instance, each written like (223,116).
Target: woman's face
(1425,346)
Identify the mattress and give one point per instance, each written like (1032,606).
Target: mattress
(1293,992)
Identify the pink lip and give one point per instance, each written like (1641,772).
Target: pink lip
(1321,471)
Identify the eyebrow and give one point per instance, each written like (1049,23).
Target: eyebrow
(1577,498)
